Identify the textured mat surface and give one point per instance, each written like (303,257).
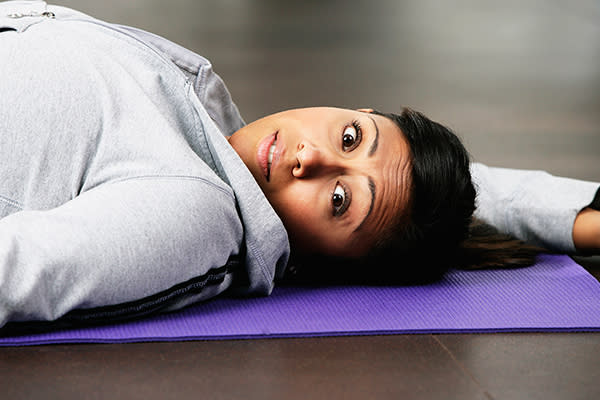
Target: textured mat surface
(555,295)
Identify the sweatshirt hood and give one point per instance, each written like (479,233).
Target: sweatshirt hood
(266,240)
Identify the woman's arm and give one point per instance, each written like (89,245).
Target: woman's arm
(586,231)
(136,245)
(537,207)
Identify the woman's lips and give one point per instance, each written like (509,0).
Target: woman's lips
(264,154)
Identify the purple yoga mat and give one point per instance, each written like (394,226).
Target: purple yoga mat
(555,295)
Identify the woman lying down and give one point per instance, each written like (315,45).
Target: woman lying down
(129,184)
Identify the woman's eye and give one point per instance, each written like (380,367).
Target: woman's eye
(351,136)
(339,200)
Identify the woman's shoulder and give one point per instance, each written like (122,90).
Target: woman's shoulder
(208,85)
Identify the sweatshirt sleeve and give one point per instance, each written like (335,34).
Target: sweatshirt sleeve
(531,205)
(117,245)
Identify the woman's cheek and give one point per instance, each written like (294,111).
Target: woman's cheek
(298,206)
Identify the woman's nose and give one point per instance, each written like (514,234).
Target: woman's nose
(312,161)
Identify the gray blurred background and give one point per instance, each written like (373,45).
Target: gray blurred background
(519,81)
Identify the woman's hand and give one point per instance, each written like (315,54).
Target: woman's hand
(586,231)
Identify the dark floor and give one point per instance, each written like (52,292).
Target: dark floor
(518,80)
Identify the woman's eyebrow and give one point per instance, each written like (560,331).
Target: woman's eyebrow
(375,142)
(372,150)
(372,190)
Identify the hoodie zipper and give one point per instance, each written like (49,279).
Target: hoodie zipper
(47,14)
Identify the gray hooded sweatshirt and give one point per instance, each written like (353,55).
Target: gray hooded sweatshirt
(120,195)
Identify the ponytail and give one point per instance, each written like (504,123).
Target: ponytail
(485,247)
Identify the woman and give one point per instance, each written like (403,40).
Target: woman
(130,184)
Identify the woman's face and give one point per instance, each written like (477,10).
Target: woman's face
(337,178)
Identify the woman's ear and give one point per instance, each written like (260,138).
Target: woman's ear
(365,110)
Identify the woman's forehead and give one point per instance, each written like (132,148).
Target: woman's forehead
(392,182)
